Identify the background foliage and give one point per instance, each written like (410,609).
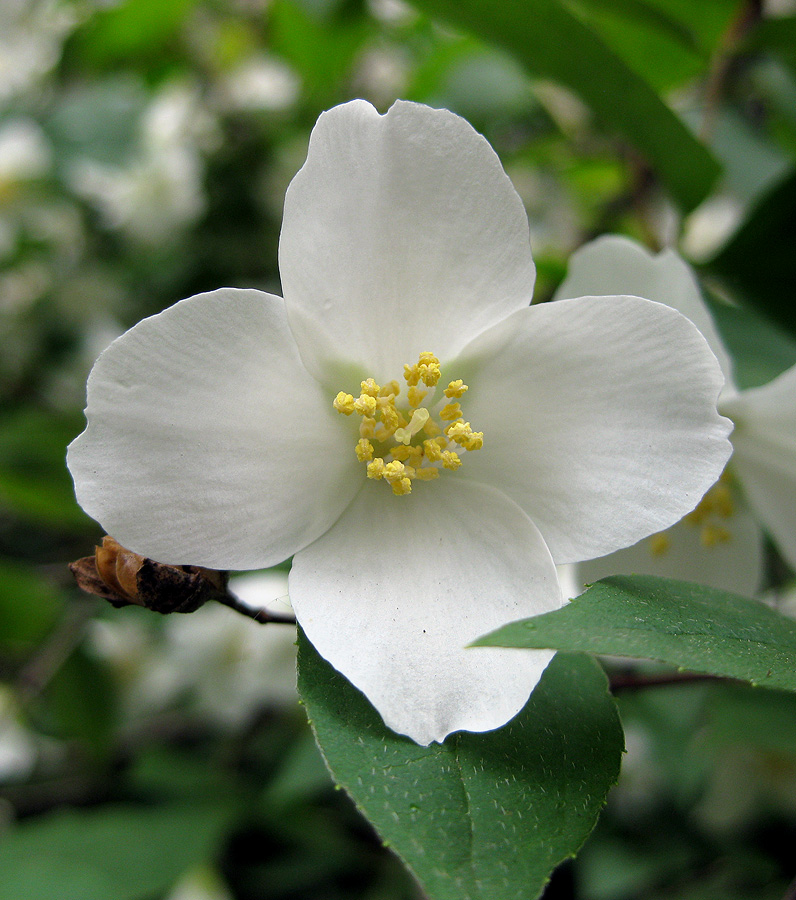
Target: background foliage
(145,147)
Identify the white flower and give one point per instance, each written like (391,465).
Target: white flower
(720,542)
(213,438)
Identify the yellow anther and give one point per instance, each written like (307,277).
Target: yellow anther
(428,369)
(365,405)
(392,387)
(376,469)
(450,412)
(472,441)
(722,501)
(400,452)
(416,396)
(364,450)
(432,450)
(344,403)
(711,535)
(451,460)
(431,428)
(659,543)
(401,487)
(369,388)
(415,456)
(401,443)
(391,418)
(411,375)
(459,431)
(394,471)
(456,389)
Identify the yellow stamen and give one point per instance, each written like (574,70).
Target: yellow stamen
(369,388)
(344,403)
(415,396)
(365,405)
(450,412)
(659,543)
(451,460)
(712,535)
(402,486)
(401,444)
(376,469)
(364,450)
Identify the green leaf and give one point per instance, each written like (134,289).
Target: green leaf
(552,43)
(29,606)
(484,816)
(688,625)
(777,35)
(758,260)
(760,350)
(108,853)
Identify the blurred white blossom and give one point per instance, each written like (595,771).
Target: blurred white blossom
(17,745)
(160,188)
(261,83)
(223,665)
(32,33)
(24,152)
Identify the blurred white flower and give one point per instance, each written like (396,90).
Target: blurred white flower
(221,664)
(201,883)
(17,746)
(159,191)
(32,33)
(25,152)
(719,543)
(261,83)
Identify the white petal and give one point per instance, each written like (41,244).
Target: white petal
(401,234)
(735,565)
(208,442)
(616,265)
(599,419)
(765,455)
(394,592)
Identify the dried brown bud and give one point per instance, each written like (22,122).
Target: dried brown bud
(123,578)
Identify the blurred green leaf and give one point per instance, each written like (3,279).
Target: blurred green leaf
(739,715)
(34,481)
(29,606)
(134,30)
(83,702)
(108,853)
(759,262)
(482,815)
(760,350)
(777,35)
(553,43)
(685,624)
(321,48)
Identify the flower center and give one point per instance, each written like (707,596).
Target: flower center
(402,441)
(711,517)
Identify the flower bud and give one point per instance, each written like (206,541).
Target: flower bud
(124,578)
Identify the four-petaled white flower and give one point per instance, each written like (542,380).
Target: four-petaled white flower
(426,444)
(719,543)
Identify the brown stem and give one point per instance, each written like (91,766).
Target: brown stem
(259,615)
